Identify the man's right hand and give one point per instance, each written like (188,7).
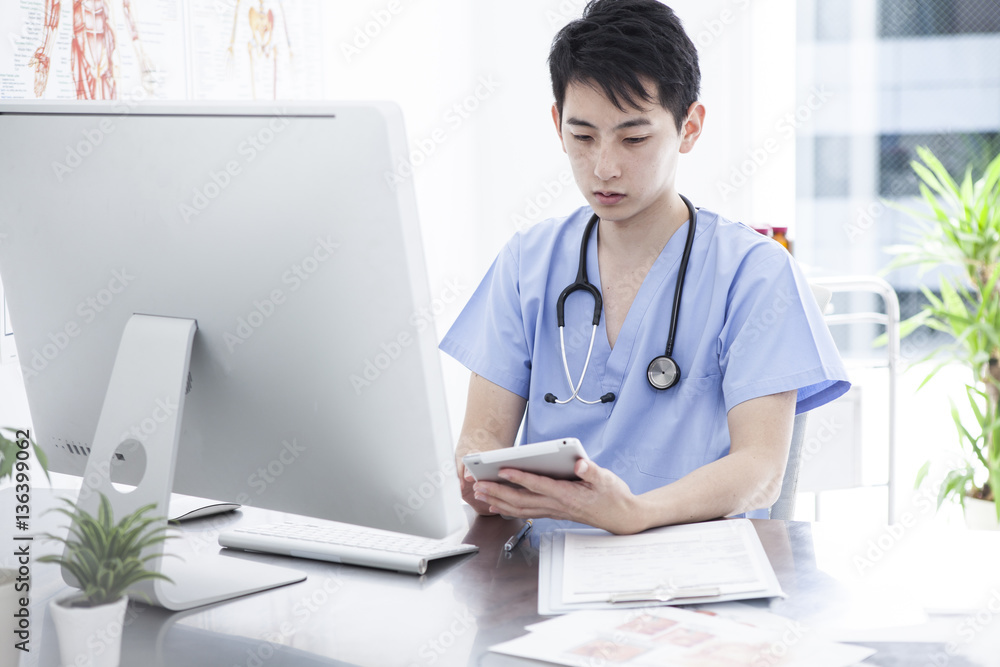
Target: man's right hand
(492,417)
(466,480)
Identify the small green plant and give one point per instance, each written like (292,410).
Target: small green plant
(964,234)
(9,449)
(106,557)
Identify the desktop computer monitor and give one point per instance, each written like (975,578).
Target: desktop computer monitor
(290,236)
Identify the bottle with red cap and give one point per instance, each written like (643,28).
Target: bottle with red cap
(780,235)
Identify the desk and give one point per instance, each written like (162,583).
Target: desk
(344,615)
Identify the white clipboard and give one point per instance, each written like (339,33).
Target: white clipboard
(552,556)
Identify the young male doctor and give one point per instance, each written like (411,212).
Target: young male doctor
(749,346)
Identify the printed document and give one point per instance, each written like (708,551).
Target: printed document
(694,560)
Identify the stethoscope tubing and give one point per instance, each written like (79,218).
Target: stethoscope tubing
(662,372)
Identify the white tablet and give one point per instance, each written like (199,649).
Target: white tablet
(553,458)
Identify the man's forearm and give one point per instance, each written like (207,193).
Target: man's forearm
(734,484)
(748,478)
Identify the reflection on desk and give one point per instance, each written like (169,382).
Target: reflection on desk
(345,615)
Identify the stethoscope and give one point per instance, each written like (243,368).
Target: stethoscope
(662,372)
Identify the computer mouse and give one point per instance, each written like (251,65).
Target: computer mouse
(181,511)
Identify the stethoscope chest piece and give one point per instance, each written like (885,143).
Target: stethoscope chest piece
(663,372)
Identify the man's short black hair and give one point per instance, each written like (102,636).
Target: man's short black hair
(616,44)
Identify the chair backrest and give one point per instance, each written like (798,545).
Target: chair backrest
(784,507)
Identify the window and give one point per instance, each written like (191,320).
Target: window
(919,18)
(896,151)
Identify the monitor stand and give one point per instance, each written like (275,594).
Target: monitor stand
(150,371)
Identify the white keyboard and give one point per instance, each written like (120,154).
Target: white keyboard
(344,543)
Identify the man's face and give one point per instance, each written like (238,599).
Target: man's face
(624,162)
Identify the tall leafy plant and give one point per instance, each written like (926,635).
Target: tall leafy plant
(105,556)
(965,234)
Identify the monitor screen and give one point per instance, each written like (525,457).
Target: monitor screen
(289,236)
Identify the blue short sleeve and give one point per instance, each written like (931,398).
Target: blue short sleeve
(489,337)
(774,338)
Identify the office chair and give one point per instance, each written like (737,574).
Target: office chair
(784,507)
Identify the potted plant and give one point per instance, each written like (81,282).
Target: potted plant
(965,234)
(9,452)
(106,559)
(14,452)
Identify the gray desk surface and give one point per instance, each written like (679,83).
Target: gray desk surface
(344,615)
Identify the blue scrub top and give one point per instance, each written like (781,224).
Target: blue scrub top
(749,326)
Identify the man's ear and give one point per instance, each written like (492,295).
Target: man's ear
(558,124)
(692,127)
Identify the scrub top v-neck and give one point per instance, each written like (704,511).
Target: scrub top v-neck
(748,327)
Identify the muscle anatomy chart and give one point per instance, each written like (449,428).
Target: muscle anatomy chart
(161,49)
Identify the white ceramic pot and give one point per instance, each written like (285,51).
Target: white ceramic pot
(9,596)
(89,635)
(981,514)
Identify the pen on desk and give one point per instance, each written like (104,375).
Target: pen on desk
(515,539)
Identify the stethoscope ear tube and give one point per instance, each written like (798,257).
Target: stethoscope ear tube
(561,302)
(581,283)
(679,290)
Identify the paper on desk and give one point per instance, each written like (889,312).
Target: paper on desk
(737,536)
(668,635)
(717,554)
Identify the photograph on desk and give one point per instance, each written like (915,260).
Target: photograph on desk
(676,636)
